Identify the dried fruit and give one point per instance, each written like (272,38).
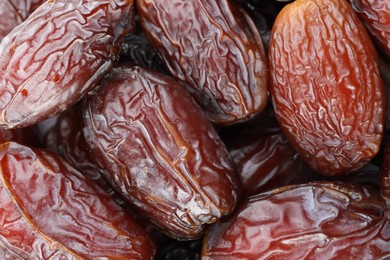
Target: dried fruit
(13,12)
(385,176)
(309,221)
(161,152)
(214,49)
(263,156)
(375,15)
(49,210)
(58,54)
(326,86)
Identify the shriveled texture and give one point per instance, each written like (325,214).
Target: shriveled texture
(263,156)
(214,49)
(326,87)
(48,210)
(161,152)
(311,221)
(55,56)
(375,15)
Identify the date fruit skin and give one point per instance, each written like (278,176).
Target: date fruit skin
(66,139)
(162,154)
(326,87)
(215,51)
(310,221)
(375,15)
(14,12)
(49,210)
(263,156)
(58,54)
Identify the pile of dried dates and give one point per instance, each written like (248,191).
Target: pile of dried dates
(194,129)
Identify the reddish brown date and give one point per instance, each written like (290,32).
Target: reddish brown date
(326,87)
(58,54)
(161,152)
(375,15)
(263,156)
(214,48)
(13,12)
(48,210)
(310,221)
(66,139)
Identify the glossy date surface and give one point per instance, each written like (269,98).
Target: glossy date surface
(214,48)
(263,156)
(48,210)
(310,221)
(58,54)
(161,152)
(14,12)
(326,87)
(375,15)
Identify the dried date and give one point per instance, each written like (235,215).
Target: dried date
(331,109)
(49,210)
(375,15)
(310,221)
(263,156)
(215,50)
(58,54)
(161,152)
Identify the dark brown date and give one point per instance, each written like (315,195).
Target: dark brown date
(58,54)
(310,221)
(161,152)
(214,48)
(25,136)
(49,210)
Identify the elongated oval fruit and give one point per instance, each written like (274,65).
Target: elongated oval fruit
(54,57)
(326,87)
(160,151)
(375,15)
(49,210)
(215,49)
(310,221)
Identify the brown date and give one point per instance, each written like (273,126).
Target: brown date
(161,152)
(326,87)
(49,210)
(215,50)
(25,136)
(385,176)
(58,54)
(375,15)
(310,221)
(13,12)
(263,156)
(65,137)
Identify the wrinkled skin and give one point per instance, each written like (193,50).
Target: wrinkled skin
(65,138)
(326,87)
(310,221)
(58,54)
(375,15)
(161,152)
(263,156)
(49,210)
(14,12)
(215,50)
